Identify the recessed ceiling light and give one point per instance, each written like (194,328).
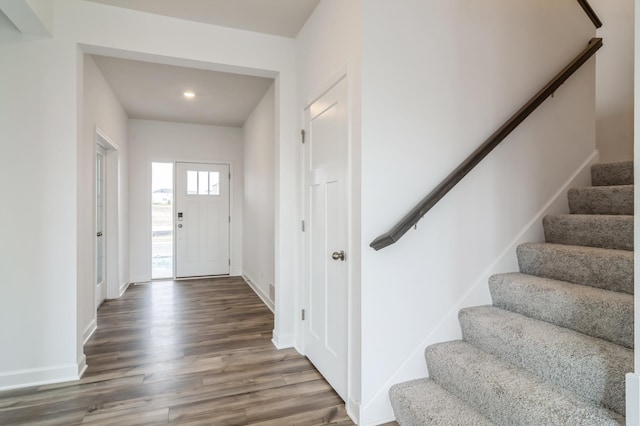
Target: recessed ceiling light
(189,94)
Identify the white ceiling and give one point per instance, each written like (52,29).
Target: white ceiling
(278,17)
(153,91)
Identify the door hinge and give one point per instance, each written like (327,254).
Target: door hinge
(303,315)
(302,133)
(229,262)
(303,226)
(229,175)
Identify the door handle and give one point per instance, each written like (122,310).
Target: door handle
(338,255)
(99,234)
(179,225)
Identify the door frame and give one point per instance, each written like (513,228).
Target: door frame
(233,211)
(282,68)
(352,249)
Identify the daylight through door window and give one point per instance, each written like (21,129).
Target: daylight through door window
(161,220)
(203,183)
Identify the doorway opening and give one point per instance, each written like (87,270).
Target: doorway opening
(280,275)
(162,220)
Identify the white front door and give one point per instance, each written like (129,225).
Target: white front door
(202,219)
(101,264)
(325,201)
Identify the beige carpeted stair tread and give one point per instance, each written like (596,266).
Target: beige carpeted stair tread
(506,394)
(591,368)
(604,231)
(601,200)
(591,266)
(592,311)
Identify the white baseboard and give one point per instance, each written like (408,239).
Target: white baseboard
(633,399)
(257,290)
(283,342)
(41,376)
(139,279)
(82,365)
(123,287)
(88,332)
(353,410)
(378,421)
(378,409)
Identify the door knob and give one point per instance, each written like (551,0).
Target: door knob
(179,225)
(338,255)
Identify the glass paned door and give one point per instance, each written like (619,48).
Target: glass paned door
(101,289)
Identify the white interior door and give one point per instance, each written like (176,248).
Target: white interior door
(101,209)
(325,172)
(202,219)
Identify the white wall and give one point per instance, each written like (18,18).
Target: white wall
(258,262)
(38,249)
(44,11)
(41,127)
(161,141)
(32,18)
(327,47)
(8,31)
(437,79)
(101,110)
(614,87)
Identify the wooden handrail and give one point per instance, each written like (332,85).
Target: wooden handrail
(411,218)
(590,13)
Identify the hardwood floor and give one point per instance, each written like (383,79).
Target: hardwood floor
(195,352)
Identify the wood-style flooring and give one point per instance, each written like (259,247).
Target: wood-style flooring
(194,352)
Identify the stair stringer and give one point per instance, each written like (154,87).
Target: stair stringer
(378,409)
(633,378)
(632,389)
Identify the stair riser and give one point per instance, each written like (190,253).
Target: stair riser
(606,269)
(505,394)
(588,367)
(611,200)
(598,313)
(607,174)
(612,232)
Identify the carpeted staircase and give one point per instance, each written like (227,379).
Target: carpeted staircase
(555,346)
